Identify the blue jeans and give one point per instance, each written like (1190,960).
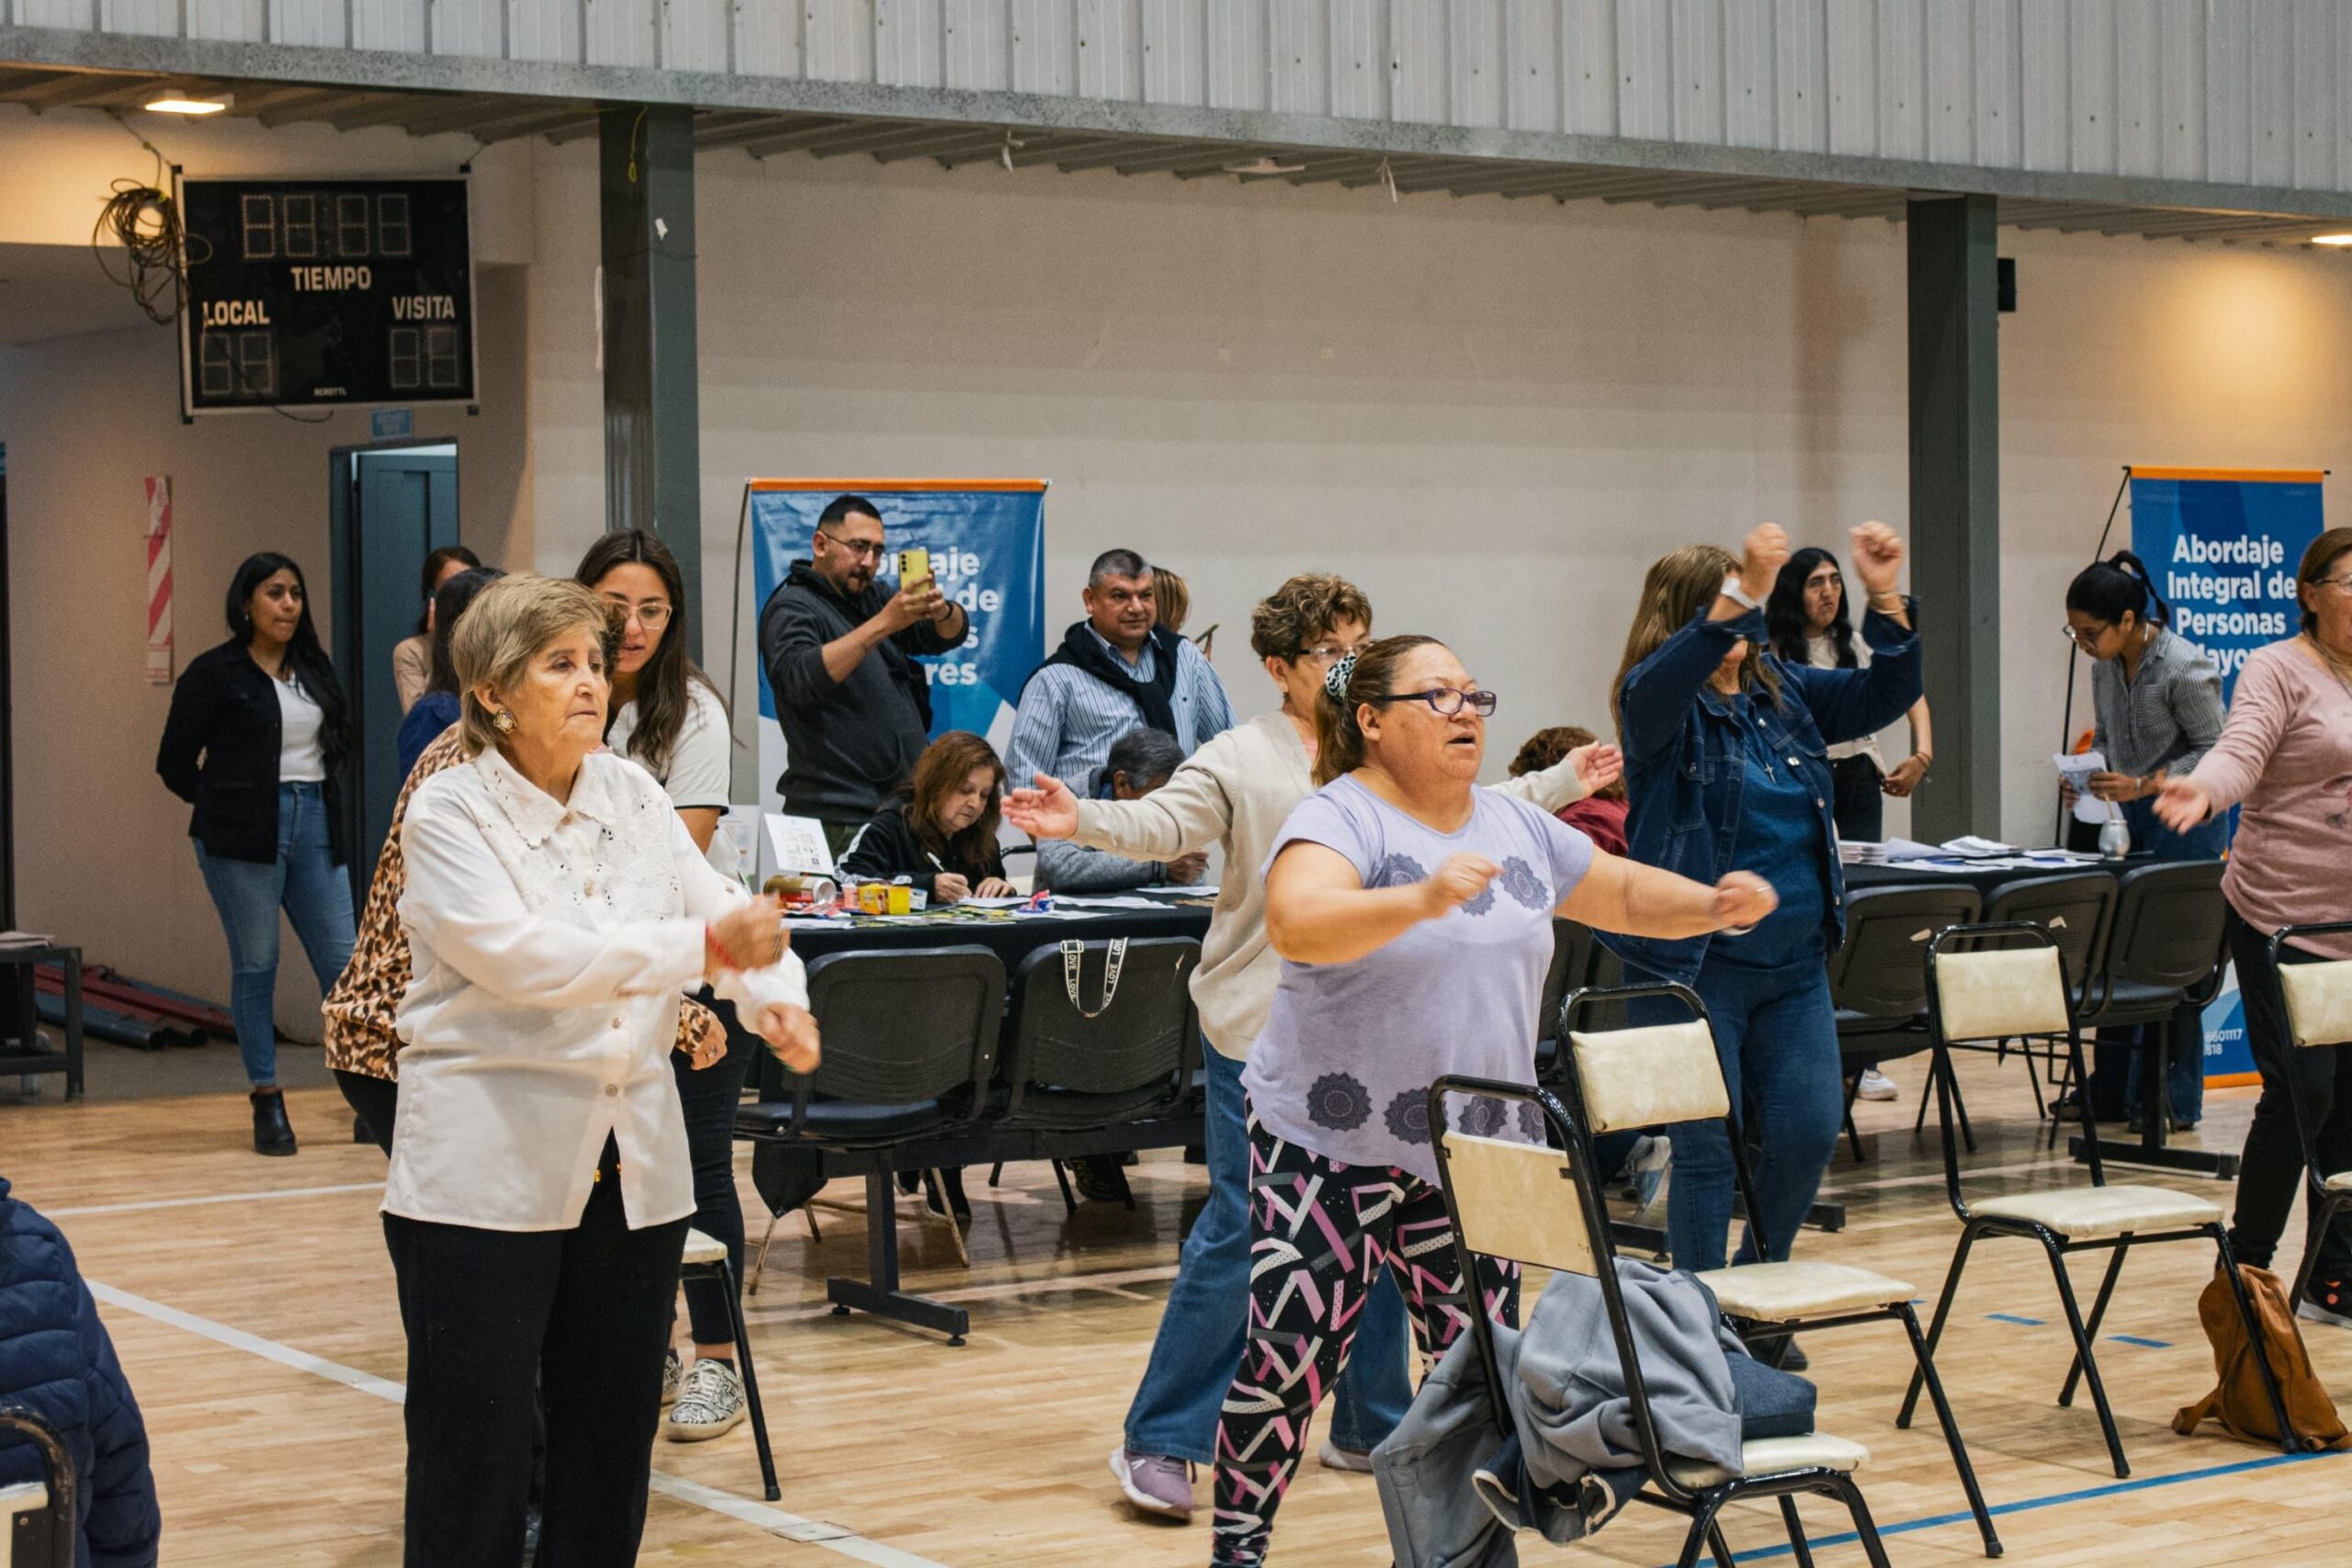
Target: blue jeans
(1198,1347)
(316,897)
(1776,1035)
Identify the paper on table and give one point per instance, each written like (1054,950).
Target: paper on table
(1970,847)
(2076,769)
(1116,901)
(988,902)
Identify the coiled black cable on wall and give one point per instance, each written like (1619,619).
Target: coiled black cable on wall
(146,222)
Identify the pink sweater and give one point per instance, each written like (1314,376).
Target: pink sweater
(2286,755)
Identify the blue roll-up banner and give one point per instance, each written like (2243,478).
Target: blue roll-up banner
(2223,546)
(987,539)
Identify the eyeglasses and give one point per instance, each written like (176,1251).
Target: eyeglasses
(1446,702)
(653,614)
(2081,639)
(1331,653)
(863,549)
(2341,584)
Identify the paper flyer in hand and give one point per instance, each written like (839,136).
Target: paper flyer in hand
(2076,769)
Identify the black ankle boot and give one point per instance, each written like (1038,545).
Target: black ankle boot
(273,1134)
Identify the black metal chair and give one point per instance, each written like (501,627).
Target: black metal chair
(1627,1079)
(2078,909)
(1977,991)
(706,1258)
(2164,954)
(1539,1205)
(1099,1033)
(1878,980)
(1574,954)
(37,1519)
(2319,1017)
(909,1045)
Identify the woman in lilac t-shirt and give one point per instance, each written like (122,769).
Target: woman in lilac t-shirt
(1412,912)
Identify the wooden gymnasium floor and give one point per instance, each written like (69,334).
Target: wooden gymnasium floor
(253,1305)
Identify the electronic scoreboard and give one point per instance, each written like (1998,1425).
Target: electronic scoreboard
(324,293)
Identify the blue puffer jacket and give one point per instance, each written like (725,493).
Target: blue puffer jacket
(55,1359)
(1685,763)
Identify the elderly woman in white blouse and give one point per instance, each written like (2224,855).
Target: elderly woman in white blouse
(540,1186)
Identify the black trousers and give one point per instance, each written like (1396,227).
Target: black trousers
(372,1101)
(492,1315)
(710,1097)
(2314,1085)
(1858,803)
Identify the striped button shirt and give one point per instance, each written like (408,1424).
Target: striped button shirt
(1067,719)
(2168,717)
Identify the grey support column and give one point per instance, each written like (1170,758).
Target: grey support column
(652,415)
(1955,531)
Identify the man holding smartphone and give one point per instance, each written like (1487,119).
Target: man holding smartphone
(839,649)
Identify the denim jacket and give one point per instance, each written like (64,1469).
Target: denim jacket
(1685,765)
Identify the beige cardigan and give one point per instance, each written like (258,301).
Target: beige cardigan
(1238,789)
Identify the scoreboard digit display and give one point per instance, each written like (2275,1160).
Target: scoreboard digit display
(325,293)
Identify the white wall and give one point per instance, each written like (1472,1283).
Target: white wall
(1492,416)
(102,854)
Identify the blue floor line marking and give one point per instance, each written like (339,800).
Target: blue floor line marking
(2012,1317)
(2136,1340)
(2031,1504)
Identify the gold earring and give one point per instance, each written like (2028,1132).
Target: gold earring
(503,722)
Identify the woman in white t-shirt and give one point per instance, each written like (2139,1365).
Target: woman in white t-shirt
(1810,624)
(668,718)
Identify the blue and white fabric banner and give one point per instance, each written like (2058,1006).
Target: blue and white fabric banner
(987,539)
(2223,545)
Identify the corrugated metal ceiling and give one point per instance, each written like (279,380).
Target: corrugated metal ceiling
(491,118)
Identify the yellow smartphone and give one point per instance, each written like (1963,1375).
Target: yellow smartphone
(914,567)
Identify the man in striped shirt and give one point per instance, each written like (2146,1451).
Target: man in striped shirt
(1116,671)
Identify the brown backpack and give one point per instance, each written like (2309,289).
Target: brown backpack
(2239,1402)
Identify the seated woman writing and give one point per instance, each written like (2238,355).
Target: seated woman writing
(942,836)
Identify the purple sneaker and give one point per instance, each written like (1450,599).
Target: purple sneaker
(1154,1482)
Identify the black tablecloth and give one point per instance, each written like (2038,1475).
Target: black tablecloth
(1860,877)
(1010,939)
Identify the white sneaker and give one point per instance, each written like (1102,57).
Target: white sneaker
(672,1370)
(711,1404)
(1649,1169)
(1875,1085)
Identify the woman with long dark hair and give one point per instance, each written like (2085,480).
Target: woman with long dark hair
(439,707)
(667,718)
(1811,624)
(2157,710)
(1725,764)
(258,741)
(412,656)
(942,835)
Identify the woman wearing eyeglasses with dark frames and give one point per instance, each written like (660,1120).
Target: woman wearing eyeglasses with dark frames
(1412,912)
(1726,763)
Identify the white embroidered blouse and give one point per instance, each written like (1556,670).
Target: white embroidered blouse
(551,940)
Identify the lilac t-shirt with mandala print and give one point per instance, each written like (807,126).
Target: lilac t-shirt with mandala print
(1348,1051)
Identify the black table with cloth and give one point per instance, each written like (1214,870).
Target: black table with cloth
(1179,913)
(2150,1147)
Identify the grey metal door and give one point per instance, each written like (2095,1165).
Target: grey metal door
(393,506)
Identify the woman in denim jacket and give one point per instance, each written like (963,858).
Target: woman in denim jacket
(1724,765)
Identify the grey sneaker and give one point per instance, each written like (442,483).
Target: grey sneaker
(672,1369)
(1875,1085)
(1154,1482)
(710,1404)
(1651,1164)
(1334,1457)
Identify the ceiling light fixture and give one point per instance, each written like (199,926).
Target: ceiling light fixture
(189,103)
(1265,166)
(2332,238)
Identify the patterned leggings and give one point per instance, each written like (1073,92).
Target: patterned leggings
(1320,1233)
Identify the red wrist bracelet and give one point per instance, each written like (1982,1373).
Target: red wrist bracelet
(718,949)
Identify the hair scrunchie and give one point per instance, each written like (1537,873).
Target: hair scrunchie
(1334,682)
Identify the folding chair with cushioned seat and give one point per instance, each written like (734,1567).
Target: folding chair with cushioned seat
(2078,911)
(705,1256)
(39,1522)
(1980,991)
(1628,1078)
(1537,1205)
(2319,1015)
